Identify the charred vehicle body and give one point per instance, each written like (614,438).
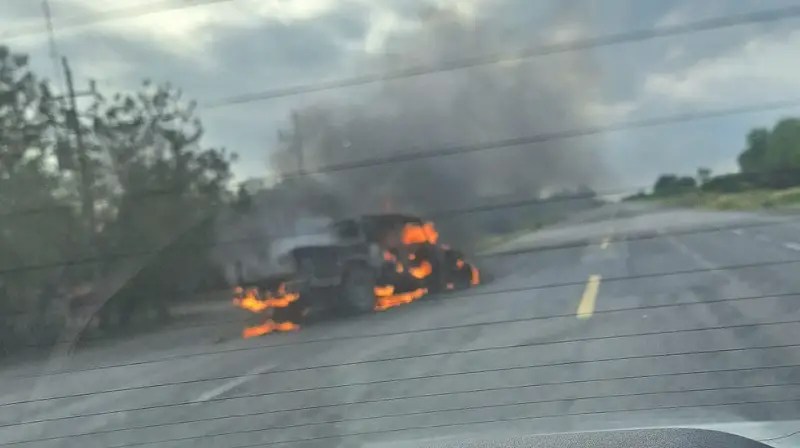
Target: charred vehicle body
(369,263)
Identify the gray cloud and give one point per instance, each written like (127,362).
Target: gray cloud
(237,58)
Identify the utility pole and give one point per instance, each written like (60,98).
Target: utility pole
(87,197)
(297,143)
(51,37)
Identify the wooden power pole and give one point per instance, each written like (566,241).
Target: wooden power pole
(87,196)
(297,143)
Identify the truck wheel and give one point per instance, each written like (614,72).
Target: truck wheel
(358,289)
(463,277)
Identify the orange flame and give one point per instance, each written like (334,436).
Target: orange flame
(431,232)
(388,256)
(423,270)
(418,234)
(399,268)
(475,276)
(383,291)
(252,301)
(268,327)
(388,299)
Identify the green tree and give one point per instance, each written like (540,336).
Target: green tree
(783,145)
(754,158)
(38,224)
(771,158)
(156,163)
(670,184)
(163,182)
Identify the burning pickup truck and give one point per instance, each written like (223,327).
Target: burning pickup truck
(369,263)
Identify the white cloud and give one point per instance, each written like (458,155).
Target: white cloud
(182,30)
(288,11)
(600,112)
(760,69)
(675,17)
(384,23)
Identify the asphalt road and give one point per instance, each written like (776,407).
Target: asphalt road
(622,317)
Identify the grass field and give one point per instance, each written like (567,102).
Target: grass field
(746,200)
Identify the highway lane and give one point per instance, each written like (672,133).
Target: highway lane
(538,373)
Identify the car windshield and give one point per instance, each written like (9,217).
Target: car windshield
(396,223)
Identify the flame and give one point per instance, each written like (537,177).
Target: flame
(287,326)
(423,270)
(419,234)
(268,327)
(399,268)
(475,278)
(383,291)
(412,257)
(388,299)
(388,256)
(252,301)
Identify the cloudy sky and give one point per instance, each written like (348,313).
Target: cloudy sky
(219,49)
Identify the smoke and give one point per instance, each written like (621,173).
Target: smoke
(451,108)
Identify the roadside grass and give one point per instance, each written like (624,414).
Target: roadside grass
(746,200)
(493,240)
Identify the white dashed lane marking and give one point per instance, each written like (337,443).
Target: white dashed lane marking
(216,392)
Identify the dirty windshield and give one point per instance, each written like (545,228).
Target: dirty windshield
(396,223)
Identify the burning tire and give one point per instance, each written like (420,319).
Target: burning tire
(462,277)
(358,289)
(459,274)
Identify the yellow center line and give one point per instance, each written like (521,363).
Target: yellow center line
(589,297)
(606,241)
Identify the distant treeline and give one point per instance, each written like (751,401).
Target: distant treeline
(770,160)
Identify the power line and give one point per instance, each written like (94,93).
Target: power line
(762,16)
(400,358)
(464,149)
(109,15)
(493,292)
(583,242)
(408,397)
(786,436)
(755,17)
(457,409)
(400,414)
(537,249)
(558,135)
(509,419)
(587,242)
(250,239)
(430,376)
(511,142)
